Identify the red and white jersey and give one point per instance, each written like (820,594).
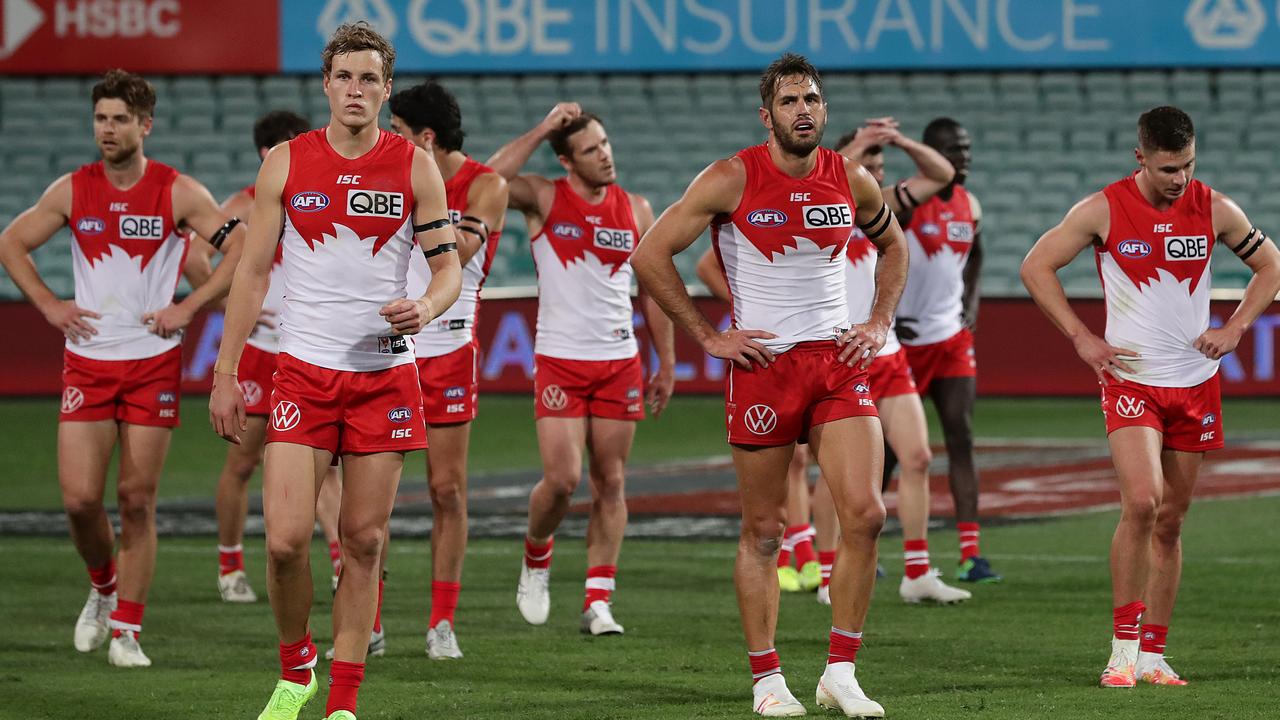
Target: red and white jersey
(348,235)
(860,286)
(1155,275)
(457,326)
(782,250)
(584,277)
(127,259)
(267,339)
(939,238)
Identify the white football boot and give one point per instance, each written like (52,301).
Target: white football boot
(597,619)
(930,587)
(838,690)
(533,594)
(235,588)
(91,627)
(125,652)
(771,698)
(442,643)
(1120,668)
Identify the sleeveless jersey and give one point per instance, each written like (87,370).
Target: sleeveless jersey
(127,258)
(860,281)
(782,250)
(584,277)
(1155,275)
(264,338)
(457,326)
(346,243)
(939,238)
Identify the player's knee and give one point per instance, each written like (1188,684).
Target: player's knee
(560,483)
(362,546)
(242,464)
(284,549)
(1140,508)
(916,459)
(609,488)
(447,495)
(763,535)
(82,509)
(867,519)
(136,506)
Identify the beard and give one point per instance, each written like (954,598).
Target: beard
(792,144)
(120,155)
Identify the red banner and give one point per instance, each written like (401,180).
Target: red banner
(1019,351)
(43,37)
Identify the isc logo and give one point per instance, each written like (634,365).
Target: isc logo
(767,218)
(611,239)
(1195,247)
(142,227)
(827,216)
(400,433)
(369,203)
(309,201)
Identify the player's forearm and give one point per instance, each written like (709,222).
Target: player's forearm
(219,281)
(1258,296)
(22,270)
(929,162)
(891,278)
(1042,283)
(508,160)
(661,281)
(244,305)
(661,331)
(972,276)
(443,290)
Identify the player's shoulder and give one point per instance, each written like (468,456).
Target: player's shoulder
(975,207)
(1091,212)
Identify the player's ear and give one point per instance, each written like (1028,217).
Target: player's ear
(1137,155)
(765,118)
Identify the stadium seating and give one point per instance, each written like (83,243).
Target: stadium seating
(1041,140)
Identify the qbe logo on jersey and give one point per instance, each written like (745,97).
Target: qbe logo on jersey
(817,217)
(614,239)
(372,203)
(1192,247)
(141,227)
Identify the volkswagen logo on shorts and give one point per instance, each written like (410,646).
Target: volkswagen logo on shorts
(400,415)
(767,218)
(285,416)
(309,201)
(760,419)
(1208,420)
(1129,407)
(72,399)
(90,226)
(1133,248)
(252,392)
(566,230)
(553,398)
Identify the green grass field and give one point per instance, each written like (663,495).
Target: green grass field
(1030,648)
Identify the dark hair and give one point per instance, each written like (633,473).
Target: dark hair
(848,137)
(354,37)
(276,127)
(934,131)
(559,139)
(1165,128)
(788,64)
(430,105)
(138,94)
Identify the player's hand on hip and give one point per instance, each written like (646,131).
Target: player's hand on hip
(226,408)
(69,318)
(1216,342)
(741,347)
(562,114)
(861,342)
(169,321)
(406,316)
(661,386)
(1103,358)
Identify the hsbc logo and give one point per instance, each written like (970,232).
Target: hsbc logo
(1129,407)
(612,239)
(309,201)
(72,399)
(767,218)
(252,392)
(817,217)
(760,419)
(553,398)
(370,203)
(141,227)
(1133,249)
(285,416)
(20,19)
(1195,247)
(400,415)
(90,226)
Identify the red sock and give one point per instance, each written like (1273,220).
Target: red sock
(915,557)
(344,686)
(968,540)
(538,557)
(600,584)
(127,616)
(843,646)
(826,558)
(444,601)
(1153,638)
(377,616)
(803,544)
(230,559)
(784,555)
(335,557)
(103,578)
(296,661)
(763,664)
(1125,619)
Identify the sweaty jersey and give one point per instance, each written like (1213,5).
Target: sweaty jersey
(267,339)
(1155,275)
(939,238)
(127,258)
(584,276)
(348,234)
(782,250)
(457,326)
(860,282)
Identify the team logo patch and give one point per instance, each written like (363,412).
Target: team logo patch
(1134,249)
(141,227)
(960,232)
(931,229)
(1194,247)
(1208,420)
(614,239)
(371,203)
(252,392)
(862,388)
(285,416)
(400,415)
(566,230)
(633,393)
(309,201)
(392,345)
(553,398)
(767,218)
(456,391)
(167,397)
(817,217)
(760,419)
(1130,407)
(72,399)
(90,226)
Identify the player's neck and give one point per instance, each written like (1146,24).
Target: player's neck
(352,142)
(796,166)
(449,162)
(126,173)
(1156,199)
(593,194)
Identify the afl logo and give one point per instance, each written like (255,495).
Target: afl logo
(90,226)
(309,201)
(400,415)
(862,388)
(767,218)
(566,230)
(1134,249)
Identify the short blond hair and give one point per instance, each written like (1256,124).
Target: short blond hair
(354,37)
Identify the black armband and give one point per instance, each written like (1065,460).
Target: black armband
(878,224)
(905,199)
(473,231)
(478,221)
(433,225)
(220,236)
(1250,244)
(440,249)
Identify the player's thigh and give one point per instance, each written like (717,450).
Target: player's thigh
(84,451)
(762,486)
(903,422)
(1135,453)
(253,440)
(850,453)
(447,447)
(1181,470)
(291,476)
(142,453)
(369,483)
(560,443)
(609,442)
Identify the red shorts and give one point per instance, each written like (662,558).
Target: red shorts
(138,392)
(610,389)
(346,412)
(255,374)
(805,386)
(950,358)
(890,376)
(1190,418)
(450,384)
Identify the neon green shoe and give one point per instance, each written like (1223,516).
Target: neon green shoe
(287,700)
(341,715)
(788,579)
(811,576)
